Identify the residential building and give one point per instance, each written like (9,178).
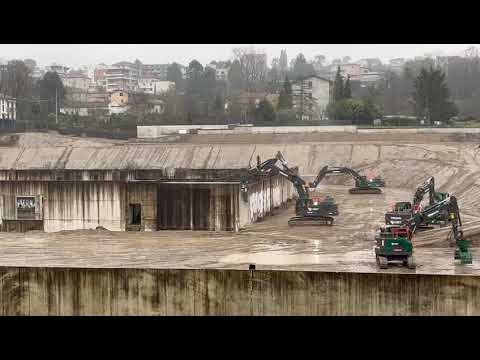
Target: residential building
(396,65)
(118,102)
(353,70)
(99,75)
(73,95)
(371,64)
(221,70)
(160,71)
(80,110)
(8,108)
(221,74)
(154,86)
(77,80)
(59,69)
(371,76)
(122,76)
(311,96)
(97,94)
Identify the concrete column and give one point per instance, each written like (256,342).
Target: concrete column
(219,208)
(191,207)
(212,212)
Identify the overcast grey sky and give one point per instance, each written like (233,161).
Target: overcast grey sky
(75,55)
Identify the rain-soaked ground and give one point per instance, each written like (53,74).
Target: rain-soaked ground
(347,246)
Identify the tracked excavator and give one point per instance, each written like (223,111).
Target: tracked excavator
(308,211)
(402,211)
(394,243)
(362,184)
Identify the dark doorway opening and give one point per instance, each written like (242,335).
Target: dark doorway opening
(134,214)
(183,207)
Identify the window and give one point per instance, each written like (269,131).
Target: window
(310,84)
(25,207)
(134,214)
(121,94)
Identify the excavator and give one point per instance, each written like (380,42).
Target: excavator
(362,184)
(308,211)
(394,243)
(404,210)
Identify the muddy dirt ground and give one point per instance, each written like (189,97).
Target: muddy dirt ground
(403,160)
(270,244)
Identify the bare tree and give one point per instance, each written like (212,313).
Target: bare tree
(253,66)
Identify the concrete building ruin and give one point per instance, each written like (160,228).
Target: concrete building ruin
(134,187)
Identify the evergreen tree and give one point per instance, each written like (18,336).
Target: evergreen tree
(264,111)
(235,76)
(285,98)
(347,90)
(338,86)
(301,68)
(174,74)
(432,96)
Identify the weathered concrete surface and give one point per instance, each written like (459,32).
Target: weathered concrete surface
(60,291)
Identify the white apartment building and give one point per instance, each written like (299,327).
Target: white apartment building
(122,76)
(8,108)
(311,96)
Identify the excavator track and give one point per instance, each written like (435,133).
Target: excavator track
(311,221)
(364,191)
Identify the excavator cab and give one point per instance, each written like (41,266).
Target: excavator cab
(400,213)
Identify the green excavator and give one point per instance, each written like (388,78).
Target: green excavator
(402,211)
(362,184)
(307,210)
(394,243)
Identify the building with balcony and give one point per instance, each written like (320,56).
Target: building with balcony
(122,76)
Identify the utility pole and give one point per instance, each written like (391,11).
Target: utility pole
(56,105)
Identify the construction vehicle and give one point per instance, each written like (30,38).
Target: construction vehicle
(402,211)
(362,184)
(394,243)
(308,212)
(449,206)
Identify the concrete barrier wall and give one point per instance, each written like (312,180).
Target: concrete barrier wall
(54,291)
(448,131)
(158,131)
(387,131)
(147,132)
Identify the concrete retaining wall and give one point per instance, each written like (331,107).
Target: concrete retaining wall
(54,291)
